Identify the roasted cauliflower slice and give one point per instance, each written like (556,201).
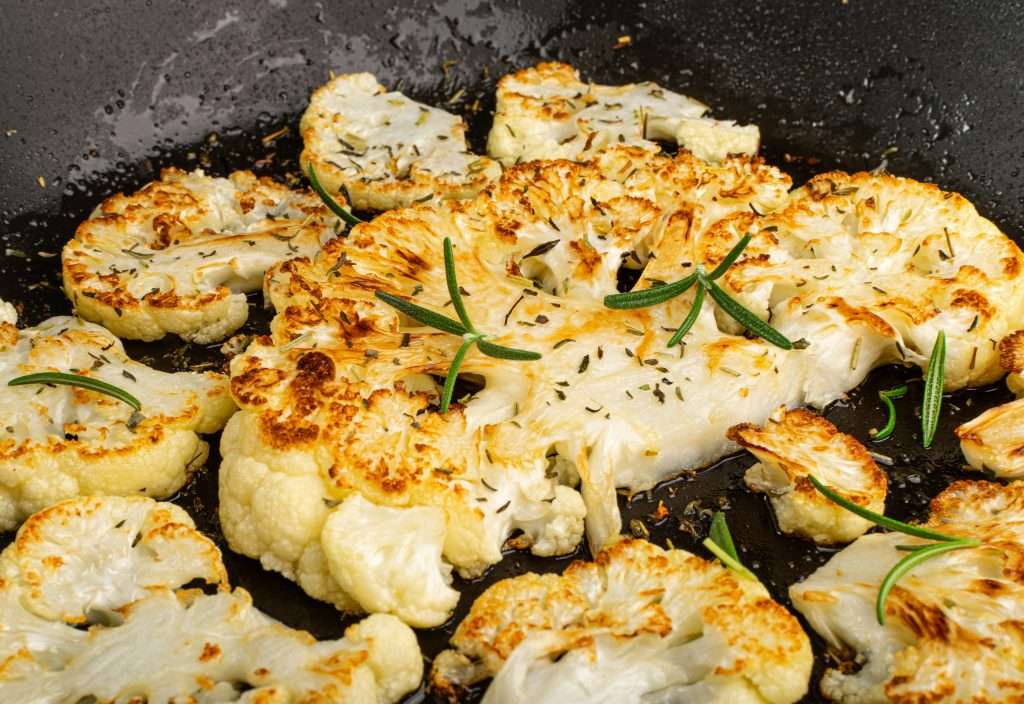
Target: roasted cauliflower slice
(638,624)
(179,255)
(119,565)
(796,443)
(994,441)
(890,262)
(339,400)
(547,112)
(57,442)
(386,150)
(952,630)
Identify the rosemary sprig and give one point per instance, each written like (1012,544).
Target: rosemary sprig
(890,423)
(934,381)
(84,382)
(705,284)
(333,205)
(917,554)
(463,327)
(719,543)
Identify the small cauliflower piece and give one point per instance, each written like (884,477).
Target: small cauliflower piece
(547,112)
(385,150)
(638,624)
(64,441)
(952,630)
(118,564)
(179,255)
(994,441)
(8,314)
(796,443)
(389,559)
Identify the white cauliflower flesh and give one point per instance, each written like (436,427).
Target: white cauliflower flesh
(547,112)
(797,443)
(179,255)
(119,564)
(57,442)
(386,150)
(994,441)
(639,624)
(8,315)
(952,631)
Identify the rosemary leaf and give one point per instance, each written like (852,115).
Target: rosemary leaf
(719,543)
(730,258)
(333,205)
(912,560)
(85,382)
(423,315)
(887,397)
(650,296)
(453,373)
(745,317)
(934,381)
(498,351)
(691,318)
(453,285)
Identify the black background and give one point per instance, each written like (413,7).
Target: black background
(97,96)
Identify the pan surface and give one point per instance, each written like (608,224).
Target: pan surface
(98,96)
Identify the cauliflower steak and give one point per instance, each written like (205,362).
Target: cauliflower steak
(953,624)
(385,150)
(57,442)
(179,255)
(639,624)
(120,565)
(547,112)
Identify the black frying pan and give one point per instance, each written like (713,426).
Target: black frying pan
(98,96)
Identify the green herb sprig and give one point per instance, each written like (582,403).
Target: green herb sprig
(333,205)
(719,543)
(83,382)
(463,327)
(917,553)
(706,284)
(934,381)
(890,422)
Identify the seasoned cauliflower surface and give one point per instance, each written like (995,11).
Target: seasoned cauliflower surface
(994,441)
(386,150)
(341,398)
(119,565)
(796,443)
(547,112)
(62,441)
(952,630)
(638,624)
(179,255)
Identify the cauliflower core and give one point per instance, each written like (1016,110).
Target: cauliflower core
(794,444)
(994,441)
(952,630)
(57,442)
(118,564)
(341,398)
(385,150)
(547,112)
(179,255)
(639,624)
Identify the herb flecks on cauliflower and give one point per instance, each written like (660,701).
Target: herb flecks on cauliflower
(638,624)
(120,565)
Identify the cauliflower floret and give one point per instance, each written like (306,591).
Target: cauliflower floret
(118,563)
(993,441)
(951,631)
(385,150)
(389,559)
(8,314)
(796,443)
(547,112)
(179,255)
(64,441)
(639,624)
